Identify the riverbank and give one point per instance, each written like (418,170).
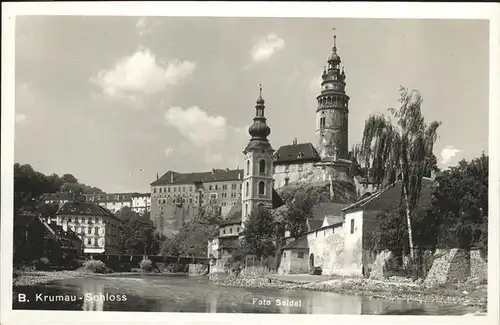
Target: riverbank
(470,295)
(31,278)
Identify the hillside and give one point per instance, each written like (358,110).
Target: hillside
(343,191)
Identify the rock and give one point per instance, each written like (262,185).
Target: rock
(449,266)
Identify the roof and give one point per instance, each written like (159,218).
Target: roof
(387,197)
(313,224)
(300,243)
(332,220)
(216,175)
(233,216)
(84,209)
(296,153)
(59,231)
(323,209)
(23,220)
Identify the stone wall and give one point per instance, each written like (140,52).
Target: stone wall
(380,267)
(296,173)
(478,267)
(449,266)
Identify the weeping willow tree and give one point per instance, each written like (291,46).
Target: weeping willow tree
(399,147)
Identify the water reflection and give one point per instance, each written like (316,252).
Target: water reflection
(184,294)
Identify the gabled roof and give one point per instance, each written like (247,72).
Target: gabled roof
(291,153)
(390,196)
(313,224)
(300,243)
(323,209)
(332,220)
(84,209)
(233,216)
(216,175)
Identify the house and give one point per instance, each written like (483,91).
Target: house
(97,226)
(342,245)
(34,238)
(28,237)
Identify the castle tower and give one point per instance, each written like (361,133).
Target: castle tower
(258,171)
(332,119)
(332,111)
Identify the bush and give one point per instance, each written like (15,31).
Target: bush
(43,264)
(146,265)
(95,266)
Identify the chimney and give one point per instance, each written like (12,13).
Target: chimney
(157,177)
(295,141)
(213,170)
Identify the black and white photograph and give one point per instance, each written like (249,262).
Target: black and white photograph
(248,164)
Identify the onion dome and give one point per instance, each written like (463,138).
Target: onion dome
(259,130)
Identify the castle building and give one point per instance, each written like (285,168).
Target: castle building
(177,197)
(329,159)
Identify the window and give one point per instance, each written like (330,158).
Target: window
(224,231)
(246,209)
(300,255)
(69,219)
(322,122)
(190,200)
(262,188)
(248,167)
(238,228)
(210,187)
(224,187)
(231,230)
(246,190)
(161,189)
(89,230)
(284,254)
(233,186)
(168,189)
(97,230)
(89,241)
(262,166)
(286,181)
(352,226)
(216,187)
(241,186)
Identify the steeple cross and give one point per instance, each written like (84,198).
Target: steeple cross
(260,90)
(334,37)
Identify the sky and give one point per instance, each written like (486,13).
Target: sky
(116,100)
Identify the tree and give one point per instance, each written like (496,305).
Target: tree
(260,233)
(69,178)
(400,150)
(299,210)
(461,204)
(137,235)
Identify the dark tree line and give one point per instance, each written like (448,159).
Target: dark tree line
(29,185)
(457,216)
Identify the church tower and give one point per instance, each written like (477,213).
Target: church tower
(332,111)
(258,171)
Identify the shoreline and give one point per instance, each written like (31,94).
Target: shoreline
(33,278)
(376,289)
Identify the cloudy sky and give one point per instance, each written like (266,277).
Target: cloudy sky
(116,100)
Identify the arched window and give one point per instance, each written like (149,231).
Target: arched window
(262,188)
(248,167)
(246,209)
(322,122)
(246,190)
(262,166)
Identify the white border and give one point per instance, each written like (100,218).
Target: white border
(488,11)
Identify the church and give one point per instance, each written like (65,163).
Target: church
(266,169)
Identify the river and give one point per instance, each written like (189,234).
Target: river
(195,294)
